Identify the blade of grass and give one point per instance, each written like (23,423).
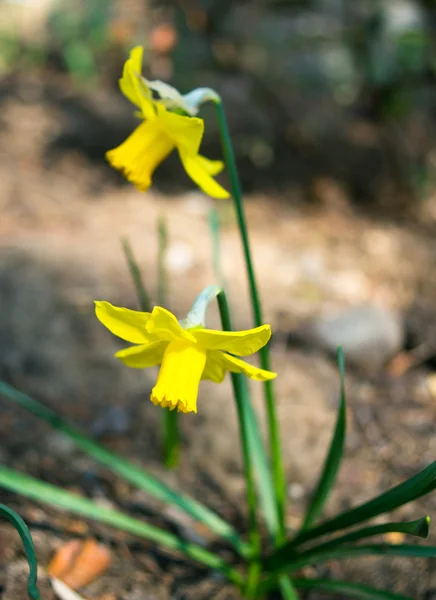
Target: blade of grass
(143,298)
(55,496)
(24,533)
(171,444)
(334,456)
(418,528)
(348,589)
(128,471)
(417,486)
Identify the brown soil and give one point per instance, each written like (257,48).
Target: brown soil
(60,227)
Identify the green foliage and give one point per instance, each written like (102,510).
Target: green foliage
(54,496)
(81,33)
(334,456)
(131,473)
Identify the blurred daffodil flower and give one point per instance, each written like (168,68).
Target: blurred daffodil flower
(162,130)
(187,352)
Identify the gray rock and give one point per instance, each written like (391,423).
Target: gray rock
(368,334)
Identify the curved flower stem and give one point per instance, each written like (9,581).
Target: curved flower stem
(273,427)
(26,538)
(240,390)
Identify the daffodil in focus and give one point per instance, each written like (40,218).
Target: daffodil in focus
(185,350)
(161,131)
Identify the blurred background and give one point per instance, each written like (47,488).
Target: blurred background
(332,109)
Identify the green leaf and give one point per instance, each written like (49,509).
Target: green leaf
(26,538)
(259,460)
(286,559)
(264,484)
(348,589)
(333,460)
(55,496)
(128,471)
(417,486)
(261,468)
(347,551)
(287,588)
(143,298)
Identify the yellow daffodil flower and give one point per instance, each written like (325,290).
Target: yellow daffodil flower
(161,132)
(187,353)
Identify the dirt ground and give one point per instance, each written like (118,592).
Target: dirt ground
(60,229)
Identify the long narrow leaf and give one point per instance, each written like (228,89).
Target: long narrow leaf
(281,561)
(350,590)
(264,484)
(128,471)
(420,484)
(141,292)
(334,456)
(261,468)
(419,528)
(55,496)
(345,552)
(287,588)
(24,533)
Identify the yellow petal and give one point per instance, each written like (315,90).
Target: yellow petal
(195,168)
(143,356)
(213,370)
(241,343)
(127,324)
(186,132)
(134,87)
(141,153)
(236,365)
(164,325)
(212,167)
(179,376)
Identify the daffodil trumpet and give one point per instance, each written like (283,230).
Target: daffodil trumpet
(162,130)
(186,351)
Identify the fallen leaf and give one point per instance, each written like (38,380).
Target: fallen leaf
(401,363)
(78,562)
(394,537)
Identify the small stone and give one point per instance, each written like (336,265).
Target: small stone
(179,258)
(368,334)
(296,491)
(431,384)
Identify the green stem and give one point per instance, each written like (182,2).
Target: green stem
(11,516)
(170,417)
(272,422)
(239,393)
